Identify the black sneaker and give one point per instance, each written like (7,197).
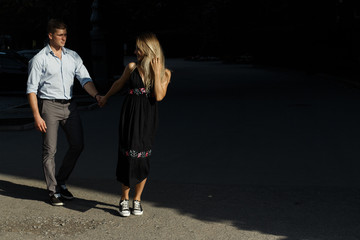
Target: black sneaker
(124,209)
(64,192)
(137,209)
(55,200)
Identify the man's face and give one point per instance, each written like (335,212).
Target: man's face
(58,39)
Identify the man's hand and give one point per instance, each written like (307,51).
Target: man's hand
(102,101)
(40,124)
(98,98)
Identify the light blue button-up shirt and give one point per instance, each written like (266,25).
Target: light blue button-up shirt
(53,78)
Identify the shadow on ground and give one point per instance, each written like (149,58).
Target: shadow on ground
(294,212)
(298,213)
(25,192)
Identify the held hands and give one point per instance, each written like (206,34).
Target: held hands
(98,97)
(101,101)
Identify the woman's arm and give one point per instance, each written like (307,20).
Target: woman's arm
(160,84)
(118,84)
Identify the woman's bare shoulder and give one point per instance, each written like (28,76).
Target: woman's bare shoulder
(131,66)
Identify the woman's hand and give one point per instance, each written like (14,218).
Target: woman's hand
(160,82)
(156,66)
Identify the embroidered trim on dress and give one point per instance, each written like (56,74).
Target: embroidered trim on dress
(139,91)
(135,154)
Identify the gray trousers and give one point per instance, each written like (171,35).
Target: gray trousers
(67,116)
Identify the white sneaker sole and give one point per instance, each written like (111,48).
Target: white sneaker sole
(137,213)
(57,204)
(124,214)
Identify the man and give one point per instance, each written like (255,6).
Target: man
(49,90)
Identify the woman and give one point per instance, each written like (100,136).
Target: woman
(148,80)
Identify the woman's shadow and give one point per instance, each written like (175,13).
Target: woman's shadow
(25,192)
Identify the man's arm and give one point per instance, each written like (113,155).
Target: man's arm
(83,76)
(39,122)
(91,90)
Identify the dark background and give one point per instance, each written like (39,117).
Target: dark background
(258,128)
(316,36)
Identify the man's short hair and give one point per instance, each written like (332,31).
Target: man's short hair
(54,24)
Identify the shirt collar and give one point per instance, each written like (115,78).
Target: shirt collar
(49,50)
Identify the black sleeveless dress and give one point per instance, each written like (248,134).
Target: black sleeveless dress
(137,128)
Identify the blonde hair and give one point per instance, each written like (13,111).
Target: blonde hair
(151,48)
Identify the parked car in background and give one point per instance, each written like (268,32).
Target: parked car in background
(13,71)
(28,53)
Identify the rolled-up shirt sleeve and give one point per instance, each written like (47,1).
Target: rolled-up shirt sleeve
(81,72)
(34,76)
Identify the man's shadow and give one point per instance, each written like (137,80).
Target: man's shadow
(25,192)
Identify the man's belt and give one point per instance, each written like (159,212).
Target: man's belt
(62,101)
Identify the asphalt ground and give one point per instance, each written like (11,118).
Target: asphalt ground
(242,152)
